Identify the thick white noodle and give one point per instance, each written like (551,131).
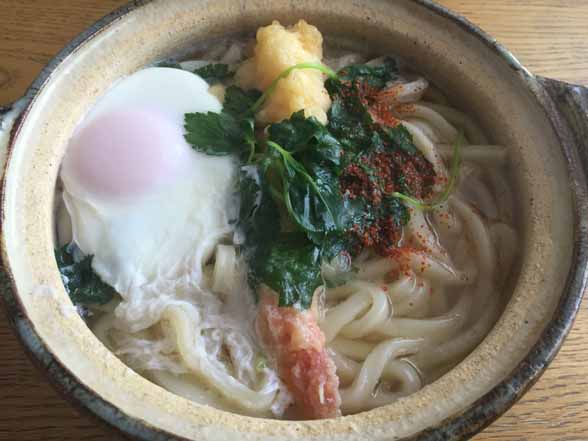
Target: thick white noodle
(446,131)
(426,128)
(359,314)
(475,192)
(360,394)
(190,344)
(442,289)
(357,350)
(419,262)
(418,230)
(460,120)
(345,60)
(224,276)
(400,93)
(401,321)
(427,148)
(401,372)
(494,155)
(189,387)
(434,329)
(417,304)
(434,95)
(486,307)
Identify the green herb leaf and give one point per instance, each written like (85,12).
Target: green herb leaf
(306,138)
(287,263)
(300,172)
(351,123)
(335,243)
(400,138)
(217,134)
(230,132)
(338,215)
(257,213)
(349,117)
(296,133)
(454,175)
(292,269)
(81,282)
(214,73)
(374,76)
(307,200)
(238,102)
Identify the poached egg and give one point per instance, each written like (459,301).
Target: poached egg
(141,200)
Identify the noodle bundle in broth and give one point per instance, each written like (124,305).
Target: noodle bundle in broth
(282,233)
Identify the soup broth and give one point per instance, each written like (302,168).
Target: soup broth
(282,232)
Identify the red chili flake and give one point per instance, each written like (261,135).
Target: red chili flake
(406,108)
(389,94)
(383,172)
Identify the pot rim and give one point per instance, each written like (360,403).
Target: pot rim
(476,416)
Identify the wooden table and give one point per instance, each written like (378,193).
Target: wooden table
(549,37)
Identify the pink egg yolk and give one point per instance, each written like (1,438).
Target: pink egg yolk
(125,152)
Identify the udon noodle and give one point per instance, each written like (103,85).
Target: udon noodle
(391,324)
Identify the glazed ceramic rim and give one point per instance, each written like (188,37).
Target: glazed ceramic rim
(475,417)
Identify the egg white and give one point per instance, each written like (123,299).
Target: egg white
(168,232)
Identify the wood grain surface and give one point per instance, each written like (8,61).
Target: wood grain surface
(549,37)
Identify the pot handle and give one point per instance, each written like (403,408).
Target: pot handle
(572,103)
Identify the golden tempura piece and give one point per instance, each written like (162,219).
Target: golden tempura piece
(277,49)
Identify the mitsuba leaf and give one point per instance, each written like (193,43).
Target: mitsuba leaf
(400,138)
(296,133)
(211,73)
(306,137)
(292,269)
(303,199)
(351,124)
(309,171)
(327,183)
(83,285)
(298,173)
(257,213)
(288,263)
(375,76)
(214,73)
(308,205)
(216,134)
(230,132)
(238,102)
(335,243)
(257,219)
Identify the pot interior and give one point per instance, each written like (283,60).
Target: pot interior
(475,78)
